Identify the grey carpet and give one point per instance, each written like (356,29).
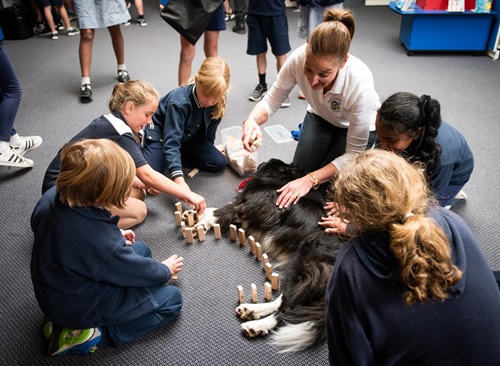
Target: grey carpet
(208,332)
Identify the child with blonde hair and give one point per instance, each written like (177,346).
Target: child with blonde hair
(132,105)
(184,126)
(95,284)
(411,286)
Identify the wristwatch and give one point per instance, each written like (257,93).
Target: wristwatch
(315,180)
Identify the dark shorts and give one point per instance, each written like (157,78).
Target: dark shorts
(218,22)
(263,28)
(44,3)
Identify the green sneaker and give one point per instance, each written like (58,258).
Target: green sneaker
(66,340)
(48,329)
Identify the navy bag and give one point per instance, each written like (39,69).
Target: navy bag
(189,18)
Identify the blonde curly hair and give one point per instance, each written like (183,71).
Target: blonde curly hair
(380,191)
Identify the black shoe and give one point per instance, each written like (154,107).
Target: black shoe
(86,91)
(239,28)
(123,76)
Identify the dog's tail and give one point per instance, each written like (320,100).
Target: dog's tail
(295,337)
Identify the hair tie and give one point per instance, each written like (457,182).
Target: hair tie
(406,217)
(335,19)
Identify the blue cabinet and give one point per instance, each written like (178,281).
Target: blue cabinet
(440,30)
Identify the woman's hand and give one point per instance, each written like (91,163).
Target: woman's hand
(293,191)
(174,263)
(129,236)
(333,224)
(252,135)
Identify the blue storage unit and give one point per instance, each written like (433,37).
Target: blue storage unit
(440,30)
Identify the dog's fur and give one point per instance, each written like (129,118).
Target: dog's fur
(289,236)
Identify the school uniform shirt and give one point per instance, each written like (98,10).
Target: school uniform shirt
(110,126)
(456,162)
(368,323)
(83,273)
(180,117)
(351,103)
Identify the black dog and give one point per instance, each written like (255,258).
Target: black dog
(294,242)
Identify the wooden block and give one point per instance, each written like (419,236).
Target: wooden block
(268,291)
(190,216)
(269,271)
(251,244)
(275,281)
(254,293)
(241,294)
(265,259)
(193,172)
(183,227)
(178,207)
(178,218)
(189,235)
(217,232)
(258,251)
(233,231)
(173,277)
(201,233)
(242,237)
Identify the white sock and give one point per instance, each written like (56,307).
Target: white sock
(85,80)
(4,147)
(15,140)
(122,67)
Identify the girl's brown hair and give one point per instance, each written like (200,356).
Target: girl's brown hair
(213,80)
(95,173)
(380,191)
(139,92)
(332,37)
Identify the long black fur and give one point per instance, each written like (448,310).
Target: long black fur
(289,236)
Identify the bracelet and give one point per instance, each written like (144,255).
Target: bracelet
(315,180)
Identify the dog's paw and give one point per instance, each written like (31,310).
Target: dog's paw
(247,312)
(259,327)
(208,219)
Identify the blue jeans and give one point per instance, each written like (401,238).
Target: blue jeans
(320,143)
(194,154)
(10,97)
(168,305)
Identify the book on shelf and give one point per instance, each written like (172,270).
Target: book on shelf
(406,5)
(456,5)
(483,6)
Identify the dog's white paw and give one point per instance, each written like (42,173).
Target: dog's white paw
(256,311)
(259,327)
(208,219)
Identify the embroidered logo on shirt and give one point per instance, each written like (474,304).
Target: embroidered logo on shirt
(336,105)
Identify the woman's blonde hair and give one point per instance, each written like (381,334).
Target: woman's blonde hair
(95,172)
(213,80)
(332,37)
(139,92)
(380,191)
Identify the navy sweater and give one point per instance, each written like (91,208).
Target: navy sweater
(368,324)
(83,273)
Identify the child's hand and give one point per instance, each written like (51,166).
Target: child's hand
(331,208)
(129,236)
(174,263)
(333,225)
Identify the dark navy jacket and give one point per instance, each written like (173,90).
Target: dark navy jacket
(368,324)
(83,274)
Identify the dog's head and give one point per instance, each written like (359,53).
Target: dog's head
(278,171)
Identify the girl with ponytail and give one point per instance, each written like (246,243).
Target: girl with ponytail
(411,286)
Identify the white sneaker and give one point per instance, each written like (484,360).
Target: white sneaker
(29,143)
(10,158)
(461,195)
